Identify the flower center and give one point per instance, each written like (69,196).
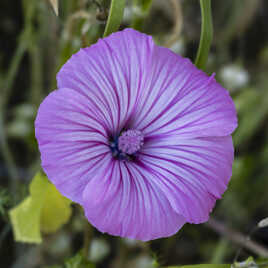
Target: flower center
(127,144)
(130,141)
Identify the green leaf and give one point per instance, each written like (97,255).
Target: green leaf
(25,220)
(248,263)
(25,217)
(206,34)
(56,210)
(115,16)
(44,209)
(203,266)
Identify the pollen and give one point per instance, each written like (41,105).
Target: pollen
(130,141)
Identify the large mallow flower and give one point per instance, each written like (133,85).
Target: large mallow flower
(138,136)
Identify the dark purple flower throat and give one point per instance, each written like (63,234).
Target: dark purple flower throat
(127,144)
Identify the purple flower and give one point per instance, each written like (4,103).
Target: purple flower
(138,136)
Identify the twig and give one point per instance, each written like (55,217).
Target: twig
(178,21)
(238,238)
(6,153)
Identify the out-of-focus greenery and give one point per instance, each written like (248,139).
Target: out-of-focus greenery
(34,43)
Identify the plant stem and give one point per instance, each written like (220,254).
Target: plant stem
(14,65)
(178,22)
(220,251)
(115,16)
(88,233)
(206,34)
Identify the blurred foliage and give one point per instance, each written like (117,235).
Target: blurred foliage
(34,45)
(5,201)
(78,261)
(140,10)
(203,266)
(55,5)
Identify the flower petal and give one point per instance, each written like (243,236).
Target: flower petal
(147,87)
(111,73)
(72,141)
(183,100)
(193,173)
(121,201)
